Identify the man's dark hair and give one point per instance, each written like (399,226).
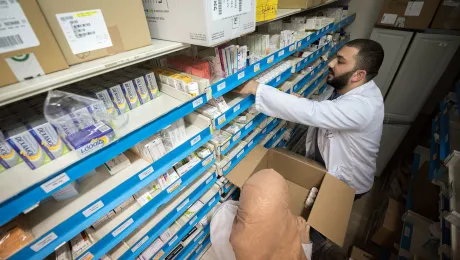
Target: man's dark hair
(369,57)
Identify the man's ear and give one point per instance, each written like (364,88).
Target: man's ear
(358,76)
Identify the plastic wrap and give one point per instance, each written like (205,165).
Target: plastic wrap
(13,237)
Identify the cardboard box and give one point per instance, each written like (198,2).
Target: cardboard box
(359,254)
(389,227)
(407,14)
(30,51)
(424,197)
(87,30)
(447,16)
(200,22)
(332,208)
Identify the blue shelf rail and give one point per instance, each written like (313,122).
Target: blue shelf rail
(434,148)
(242,133)
(33,195)
(103,245)
(275,137)
(175,240)
(405,242)
(322,89)
(169,219)
(302,82)
(444,140)
(312,57)
(302,44)
(200,248)
(337,47)
(66,230)
(344,22)
(315,84)
(189,249)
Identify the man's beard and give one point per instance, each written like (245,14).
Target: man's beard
(341,81)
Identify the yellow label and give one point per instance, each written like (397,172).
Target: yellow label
(266,10)
(85,14)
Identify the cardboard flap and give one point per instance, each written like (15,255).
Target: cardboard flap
(255,160)
(332,209)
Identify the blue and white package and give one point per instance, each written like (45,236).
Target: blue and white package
(8,156)
(92,138)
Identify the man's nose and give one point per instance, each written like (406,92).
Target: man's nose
(331,64)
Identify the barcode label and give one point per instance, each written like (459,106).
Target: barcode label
(222,9)
(220,6)
(240,5)
(10,41)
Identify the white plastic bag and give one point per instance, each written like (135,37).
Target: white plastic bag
(221,228)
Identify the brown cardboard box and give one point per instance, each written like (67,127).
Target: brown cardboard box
(359,254)
(424,199)
(332,208)
(294,4)
(44,55)
(447,16)
(407,14)
(88,29)
(390,226)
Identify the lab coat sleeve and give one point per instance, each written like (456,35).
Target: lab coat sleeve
(350,112)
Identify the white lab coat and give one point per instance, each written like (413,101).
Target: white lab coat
(350,128)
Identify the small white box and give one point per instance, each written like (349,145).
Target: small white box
(63,252)
(190,212)
(69,191)
(124,204)
(117,164)
(200,22)
(80,243)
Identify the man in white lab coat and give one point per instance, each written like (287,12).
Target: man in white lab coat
(345,121)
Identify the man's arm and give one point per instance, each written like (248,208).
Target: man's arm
(345,114)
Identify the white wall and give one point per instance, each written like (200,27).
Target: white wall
(367,12)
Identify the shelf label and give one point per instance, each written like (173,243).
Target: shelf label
(209,179)
(211,201)
(292,47)
(198,248)
(265,130)
(145,173)
(239,154)
(195,140)
(240,75)
(86,256)
(280,53)
(138,245)
(95,207)
(236,108)
(308,38)
(208,160)
(197,102)
(221,86)
(55,182)
(193,220)
(235,137)
(198,236)
(270,59)
(122,227)
(227,166)
(299,44)
(256,67)
(248,125)
(406,231)
(298,65)
(278,78)
(44,242)
(225,146)
(221,119)
(183,204)
(174,186)
(172,240)
(250,143)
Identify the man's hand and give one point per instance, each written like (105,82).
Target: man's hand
(247,88)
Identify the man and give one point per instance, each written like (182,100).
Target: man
(345,121)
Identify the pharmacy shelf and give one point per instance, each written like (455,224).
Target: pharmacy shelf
(444,140)
(310,90)
(242,133)
(227,188)
(201,249)
(277,133)
(29,88)
(189,249)
(23,188)
(308,76)
(312,57)
(54,223)
(344,22)
(229,194)
(322,89)
(445,251)
(117,229)
(151,230)
(175,240)
(338,46)
(453,216)
(305,42)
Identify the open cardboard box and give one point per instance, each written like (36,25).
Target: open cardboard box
(332,208)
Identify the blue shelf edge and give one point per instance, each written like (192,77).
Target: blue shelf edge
(315,55)
(188,249)
(299,85)
(200,248)
(314,85)
(275,137)
(63,232)
(33,195)
(406,239)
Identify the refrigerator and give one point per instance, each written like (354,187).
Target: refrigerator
(412,66)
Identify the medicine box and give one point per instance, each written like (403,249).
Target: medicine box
(200,22)
(117,164)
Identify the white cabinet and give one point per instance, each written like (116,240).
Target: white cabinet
(423,65)
(392,135)
(394,44)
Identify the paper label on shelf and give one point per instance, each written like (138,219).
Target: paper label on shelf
(270,59)
(122,227)
(185,202)
(86,256)
(211,201)
(191,222)
(278,78)
(198,236)
(195,140)
(235,137)
(172,240)
(222,9)
(221,119)
(240,75)
(209,179)
(256,67)
(24,66)
(388,18)
(145,173)
(85,30)
(221,86)
(400,22)
(248,125)
(414,8)
(208,160)
(225,146)
(44,242)
(292,47)
(236,108)
(174,186)
(239,154)
(197,102)
(95,207)
(299,44)
(138,245)
(281,53)
(55,182)
(16,32)
(406,231)
(227,166)
(250,143)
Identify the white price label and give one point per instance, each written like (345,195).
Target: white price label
(85,30)
(225,146)
(197,102)
(292,47)
(145,173)
(406,231)
(211,201)
(235,137)
(298,65)
(240,75)
(138,245)
(281,53)
(256,67)
(15,30)
(198,237)
(44,242)
(308,38)
(122,227)
(221,86)
(236,108)
(208,160)
(248,125)
(193,220)
(95,207)
(55,182)
(86,256)
(278,78)
(298,44)
(221,119)
(250,143)
(227,166)
(239,154)
(174,186)
(270,59)
(195,140)
(172,240)
(222,9)
(209,179)
(183,204)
